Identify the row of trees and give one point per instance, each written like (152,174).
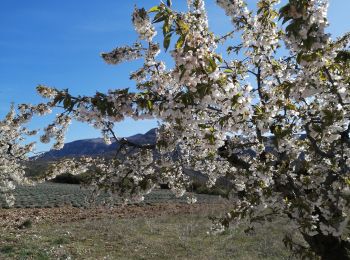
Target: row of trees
(271,117)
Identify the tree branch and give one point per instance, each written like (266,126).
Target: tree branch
(314,144)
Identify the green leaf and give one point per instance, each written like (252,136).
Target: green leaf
(212,64)
(183,26)
(58,99)
(284,11)
(149,104)
(166,42)
(299,57)
(154,9)
(183,70)
(203,126)
(211,138)
(291,106)
(286,19)
(180,42)
(343,56)
(203,90)
(159,17)
(258,110)
(218,58)
(317,128)
(166,27)
(323,76)
(234,99)
(67,102)
(228,71)
(291,27)
(347,181)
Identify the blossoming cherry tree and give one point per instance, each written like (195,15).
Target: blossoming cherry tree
(271,116)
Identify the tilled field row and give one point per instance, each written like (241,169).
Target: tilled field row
(50,195)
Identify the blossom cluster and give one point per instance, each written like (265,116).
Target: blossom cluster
(13,153)
(143,24)
(119,55)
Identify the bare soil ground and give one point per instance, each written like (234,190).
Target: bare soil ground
(159,231)
(14,218)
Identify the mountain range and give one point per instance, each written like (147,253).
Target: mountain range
(95,147)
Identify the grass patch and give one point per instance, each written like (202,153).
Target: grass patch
(31,253)
(60,241)
(163,237)
(7,249)
(23,249)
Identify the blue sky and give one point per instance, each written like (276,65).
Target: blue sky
(58,43)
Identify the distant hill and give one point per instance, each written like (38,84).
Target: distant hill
(94,147)
(97,147)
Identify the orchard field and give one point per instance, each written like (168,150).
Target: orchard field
(49,195)
(54,221)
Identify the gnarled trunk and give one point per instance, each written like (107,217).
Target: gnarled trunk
(329,247)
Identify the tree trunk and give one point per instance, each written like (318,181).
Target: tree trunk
(329,247)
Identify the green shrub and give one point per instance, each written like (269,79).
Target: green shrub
(202,188)
(26,224)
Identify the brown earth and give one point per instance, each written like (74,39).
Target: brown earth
(14,218)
